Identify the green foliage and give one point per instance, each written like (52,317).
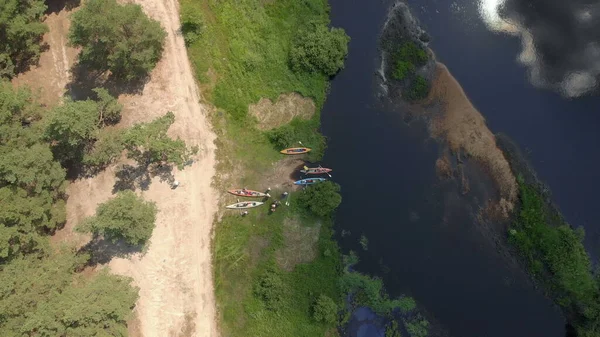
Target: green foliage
(364,242)
(406,304)
(44,297)
(109,109)
(407,60)
(246,45)
(392,330)
(148,143)
(367,291)
(325,310)
(556,255)
(126,216)
(32,183)
(119,38)
(319,49)
(191,25)
(305,131)
(403,69)
(321,199)
(419,88)
(72,127)
(417,326)
(412,53)
(21,29)
(270,289)
(106,149)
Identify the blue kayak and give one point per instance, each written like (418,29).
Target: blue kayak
(309,181)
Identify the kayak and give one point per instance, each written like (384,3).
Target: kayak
(295,150)
(309,181)
(245,204)
(247,193)
(316,170)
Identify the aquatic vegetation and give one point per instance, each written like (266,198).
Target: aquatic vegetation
(556,256)
(392,330)
(416,326)
(364,242)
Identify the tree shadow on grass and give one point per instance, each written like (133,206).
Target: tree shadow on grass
(103,250)
(85,80)
(131,177)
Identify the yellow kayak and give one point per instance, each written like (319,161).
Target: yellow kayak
(295,150)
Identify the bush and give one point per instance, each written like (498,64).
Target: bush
(325,310)
(191,25)
(419,88)
(412,53)
(403,69)
(119,38)
(320,199)
(270,289)
(417,326)
(320,50)
(126,216)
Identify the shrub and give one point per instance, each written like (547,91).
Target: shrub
(419,88)
(320,50)
(191,25)
(417,326)
(321,199)
(270,289)
(403,69)
(325,310)
(302,130)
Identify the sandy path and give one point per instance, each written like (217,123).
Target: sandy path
(175,274)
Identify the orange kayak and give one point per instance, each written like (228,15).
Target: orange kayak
(247,193)
(295,150)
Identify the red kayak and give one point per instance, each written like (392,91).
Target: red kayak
(247,193)
(316,170)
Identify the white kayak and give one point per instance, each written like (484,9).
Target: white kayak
(245,204)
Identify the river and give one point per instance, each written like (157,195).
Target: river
(417,246)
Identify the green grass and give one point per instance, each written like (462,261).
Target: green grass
(246,43)
(556,256)
(240,55)
(244,251)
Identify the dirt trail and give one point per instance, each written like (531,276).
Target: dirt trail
(175,274)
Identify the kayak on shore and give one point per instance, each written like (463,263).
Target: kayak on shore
(316,170)
(309,181)
(295,150)
(245,204)
(247,193)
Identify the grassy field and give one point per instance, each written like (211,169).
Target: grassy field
(240,56)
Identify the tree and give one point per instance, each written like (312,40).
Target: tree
(106,149)
(118,38)
(21,29)
(321,199)
(148,143)
(320,50)
(44,297)
(126,216)
(109,109)
(325,310)
(72,126)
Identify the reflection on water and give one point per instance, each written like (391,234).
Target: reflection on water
(560,40)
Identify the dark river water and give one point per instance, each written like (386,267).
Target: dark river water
(415,244)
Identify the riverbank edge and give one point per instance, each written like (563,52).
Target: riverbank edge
(230,168)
